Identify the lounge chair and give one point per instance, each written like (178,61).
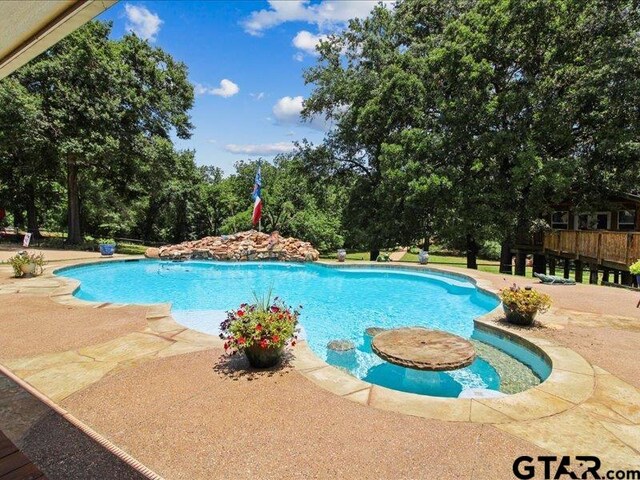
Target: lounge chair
(554,280)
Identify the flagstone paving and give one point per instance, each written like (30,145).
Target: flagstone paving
(159,391)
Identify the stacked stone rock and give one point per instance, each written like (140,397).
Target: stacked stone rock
(250,245)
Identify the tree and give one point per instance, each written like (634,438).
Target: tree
(468,120)
(346,81)
(103,100)
(29,179)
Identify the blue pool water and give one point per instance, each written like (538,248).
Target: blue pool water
(339,304)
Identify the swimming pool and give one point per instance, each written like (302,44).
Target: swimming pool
(339,303)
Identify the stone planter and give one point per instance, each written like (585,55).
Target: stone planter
(107,249)
(342,255)
(263,357)
(423,257)
(518,318)
(638,280)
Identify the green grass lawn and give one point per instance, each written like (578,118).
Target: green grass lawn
(131,249)
(492,266)
(350,256)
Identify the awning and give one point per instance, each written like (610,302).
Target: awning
(28,28)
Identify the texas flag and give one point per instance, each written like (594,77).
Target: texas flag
(257,200)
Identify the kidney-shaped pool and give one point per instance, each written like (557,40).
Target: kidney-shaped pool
(339,303)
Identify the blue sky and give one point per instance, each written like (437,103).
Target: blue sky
(246,60)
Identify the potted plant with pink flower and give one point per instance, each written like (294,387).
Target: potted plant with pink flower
(261,330)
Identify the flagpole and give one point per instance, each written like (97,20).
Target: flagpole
(257,206)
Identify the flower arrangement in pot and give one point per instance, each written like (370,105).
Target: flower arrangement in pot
(24,263)
(521,305)
(635,270)
(261,330)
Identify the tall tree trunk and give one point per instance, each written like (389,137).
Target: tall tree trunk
(74,233)
(18,219)
(32,213)
(151,216)
(506,262)
(373,254)
(180,232)
(426,243)
(472,252)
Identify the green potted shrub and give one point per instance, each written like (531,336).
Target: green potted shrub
(261,330)
(107,246)
(635,270)
(24,263)
(521,305)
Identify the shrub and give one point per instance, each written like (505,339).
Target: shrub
(490,250)
(524,300)
(263,323)
(635,268)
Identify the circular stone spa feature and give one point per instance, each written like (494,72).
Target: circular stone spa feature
(423,349)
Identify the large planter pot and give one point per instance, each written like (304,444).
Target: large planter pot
(423,257)
(263,357)
(342,255)
(638,280)
(28,268)
(107,249)
(518,318)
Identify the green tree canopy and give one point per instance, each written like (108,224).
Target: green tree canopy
(102,100)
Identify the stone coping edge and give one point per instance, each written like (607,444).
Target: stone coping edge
(571,381)
(92,434)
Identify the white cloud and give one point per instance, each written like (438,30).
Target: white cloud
(260,149)
(298,56)
(327,13)
(288,110)
(307,41)
(142,22)
(257,96)
(226,89)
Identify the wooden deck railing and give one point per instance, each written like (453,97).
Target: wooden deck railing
(622,248)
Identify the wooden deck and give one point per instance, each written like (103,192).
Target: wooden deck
(610,249)
(14,465)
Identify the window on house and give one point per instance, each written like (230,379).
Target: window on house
(582,222)
(593,221)
(560,220)
(601,221)
(626,220)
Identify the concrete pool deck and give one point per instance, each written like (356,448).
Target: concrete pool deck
(159,392)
